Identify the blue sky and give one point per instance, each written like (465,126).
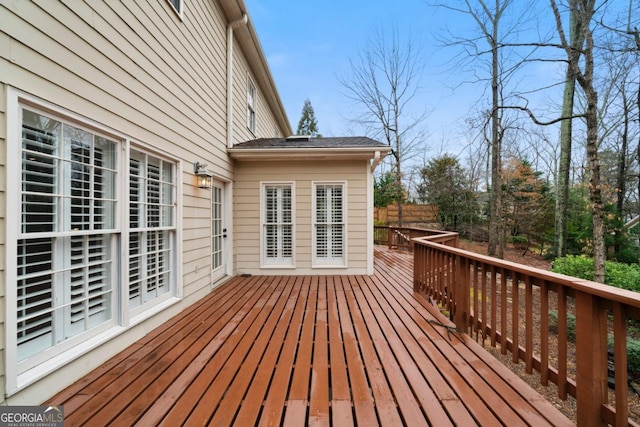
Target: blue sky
(308,46)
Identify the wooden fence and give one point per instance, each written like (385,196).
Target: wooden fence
(410,214)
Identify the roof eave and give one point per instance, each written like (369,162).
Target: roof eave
(297,153)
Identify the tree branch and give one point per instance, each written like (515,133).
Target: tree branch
(535,119)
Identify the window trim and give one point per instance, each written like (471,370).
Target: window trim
(140,310)
(178,11)
(121,319)
(252,116)
(286,263)
(342,261)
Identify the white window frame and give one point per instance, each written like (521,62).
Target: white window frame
(179,10)
(168,232)
(279,262)
(19,375)
(252,94)
(328,261)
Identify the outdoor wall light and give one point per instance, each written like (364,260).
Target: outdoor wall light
(203,176)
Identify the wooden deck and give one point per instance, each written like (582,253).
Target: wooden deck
(293,351)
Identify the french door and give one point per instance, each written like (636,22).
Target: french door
(218,232)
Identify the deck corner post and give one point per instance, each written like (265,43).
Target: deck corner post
(591,359)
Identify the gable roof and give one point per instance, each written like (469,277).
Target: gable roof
(305,147)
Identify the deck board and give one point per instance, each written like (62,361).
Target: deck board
(305,350)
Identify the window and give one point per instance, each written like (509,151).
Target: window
(329,224)
(177,6)
(277,224)
(152,227)
(251,106)
(67,240)
(80,247)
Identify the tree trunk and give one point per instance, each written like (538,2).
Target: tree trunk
(399,174)
(496,229)
(638,101)
(593,160)
(562,194)
(564,168)
(621,186)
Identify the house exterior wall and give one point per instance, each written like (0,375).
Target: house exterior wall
(154,79)
(250,175)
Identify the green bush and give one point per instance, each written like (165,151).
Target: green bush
(627,255)
(520,242)
(624,276)
(571,324)
(574,265)
(633,355)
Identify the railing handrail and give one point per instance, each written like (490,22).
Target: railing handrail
(620,295)
(495,300)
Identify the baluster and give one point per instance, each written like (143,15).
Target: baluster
(620,363)
(528,304)
(515,317)
(544,333)
(562,343)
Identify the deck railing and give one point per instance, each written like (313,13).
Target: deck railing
(402,237)
(496,302)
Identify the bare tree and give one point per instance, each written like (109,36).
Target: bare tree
(583,11)
(576,43)
(494,34)
(384,83)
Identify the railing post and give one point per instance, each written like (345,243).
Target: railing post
(418,269)
(461,292)
(591,359)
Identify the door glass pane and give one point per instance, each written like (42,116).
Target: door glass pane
(216,228)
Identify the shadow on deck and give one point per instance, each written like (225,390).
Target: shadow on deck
(300,350)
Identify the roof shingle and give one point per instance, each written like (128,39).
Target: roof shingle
(306,142)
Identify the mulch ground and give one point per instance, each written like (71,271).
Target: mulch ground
(568,407)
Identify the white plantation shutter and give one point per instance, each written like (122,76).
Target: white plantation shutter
(64,262)
(90,284)
(329,224)
(152,225)
(278,224)
(67,273)
(35,296)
